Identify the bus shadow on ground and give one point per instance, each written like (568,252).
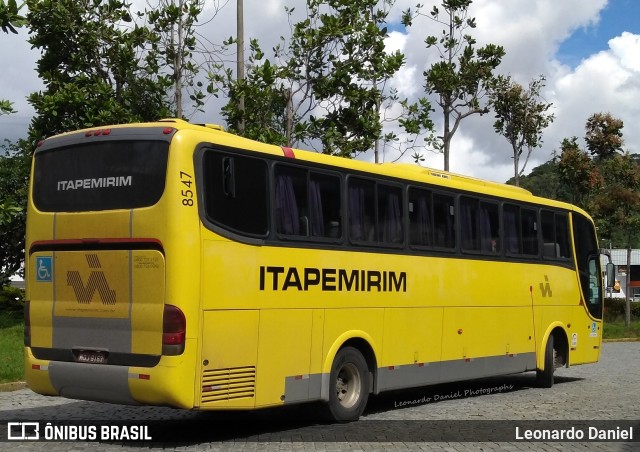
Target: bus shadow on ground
(407,398)
(296,423)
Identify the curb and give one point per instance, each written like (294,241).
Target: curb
(14,386)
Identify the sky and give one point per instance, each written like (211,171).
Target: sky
(588,51)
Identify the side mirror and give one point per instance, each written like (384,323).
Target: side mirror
(610,275)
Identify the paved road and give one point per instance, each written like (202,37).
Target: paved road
(603,395)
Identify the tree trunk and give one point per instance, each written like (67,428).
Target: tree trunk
(178,65)
(516,163)
(627,306)
(289,118)
(240,58)
(446,138)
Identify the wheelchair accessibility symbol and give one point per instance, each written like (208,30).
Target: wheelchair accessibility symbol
(44,269)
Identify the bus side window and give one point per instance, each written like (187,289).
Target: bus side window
(390,223)
(562,235)
(489,228)
(444,221)
(529,228)
(233,186)
(469,224)
(362,214)
(291,211)
(511,219)
(555,235)
(420,217)
(228,177)
(325,205)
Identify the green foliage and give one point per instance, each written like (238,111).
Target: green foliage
(6,107)
(265,100)
(520,117)
(14,176)
(604,135)
(616,204)
(11,335)
(462,76)
(95,66)
(10,17)
(614,310)
(544,180)
(577,172)
(326,84)
(175,24)
(12,300)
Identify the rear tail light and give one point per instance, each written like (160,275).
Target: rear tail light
(174,327)
(27,324)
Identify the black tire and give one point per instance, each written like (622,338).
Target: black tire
(348,386)
(544,378)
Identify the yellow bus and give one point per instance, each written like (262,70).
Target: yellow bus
(175,264)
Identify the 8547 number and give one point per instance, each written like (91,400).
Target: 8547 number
(187,194)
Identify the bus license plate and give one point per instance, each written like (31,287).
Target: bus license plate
(92,357)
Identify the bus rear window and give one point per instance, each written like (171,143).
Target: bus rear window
(100,176)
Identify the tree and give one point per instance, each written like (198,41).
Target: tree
(520,117)
(181,48)
(461,77)
(604,135)
(544,180)
(14,175)
(577,172)
(10,19)
(616,207)
(331,77)
(264,111)
(95,64)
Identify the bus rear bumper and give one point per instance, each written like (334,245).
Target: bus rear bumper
(83,381)
(166,384)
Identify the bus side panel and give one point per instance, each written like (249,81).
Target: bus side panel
(284,356)
(412,336)
(475,332)
(585,341)
(344,324)
(229,358)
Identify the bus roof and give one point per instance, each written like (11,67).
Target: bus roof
(405,171)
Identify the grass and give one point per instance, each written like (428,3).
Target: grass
(11,346)
(617,330)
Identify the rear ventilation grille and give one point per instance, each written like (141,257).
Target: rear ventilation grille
(228,384)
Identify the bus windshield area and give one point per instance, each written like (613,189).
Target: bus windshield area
(102,175)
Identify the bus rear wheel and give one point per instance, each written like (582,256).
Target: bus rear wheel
(544,378)
(348,386)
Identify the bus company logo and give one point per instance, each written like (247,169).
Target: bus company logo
(545,288)
(23,431)
(97,282)
(100,182)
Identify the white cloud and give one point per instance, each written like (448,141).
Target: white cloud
(627,48)
(531,32)
(608,81)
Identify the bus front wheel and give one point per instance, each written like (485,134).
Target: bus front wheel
(348,386)
(544,378)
